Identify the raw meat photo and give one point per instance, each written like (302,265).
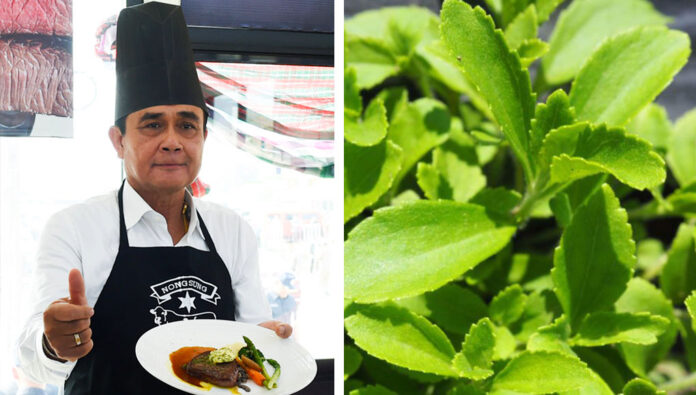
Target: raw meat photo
(36,73)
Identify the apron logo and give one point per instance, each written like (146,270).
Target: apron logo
(186,288)
(164,290)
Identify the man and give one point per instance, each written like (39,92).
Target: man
(149,253)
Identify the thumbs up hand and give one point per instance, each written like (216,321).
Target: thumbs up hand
(67,321)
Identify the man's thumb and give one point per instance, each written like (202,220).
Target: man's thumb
(77,288)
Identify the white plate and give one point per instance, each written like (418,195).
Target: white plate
(298,368)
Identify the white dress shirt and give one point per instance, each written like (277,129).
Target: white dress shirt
(86,236)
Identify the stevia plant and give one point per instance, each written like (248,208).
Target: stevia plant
(511,237)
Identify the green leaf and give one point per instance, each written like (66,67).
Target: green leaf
(402,338)
(395,378)
(351,94)
(351,361)
(372,390)
(604,327)
(371,129)
(552,338)
(683,200)
(581,150)
(371,59)
(545,8)
(407,196)
(681,152)
(607,363)
(352,384)
(594,260)
(419,247)
(539,311)
(369,175)
(552,115)
(508,306)
(642,296)
(639,386)
(531,50)
(418,128)
(453,175)
(690,304)
(393,25)
(653,125)
(505,343)
(498,202)
(452,307)
(587,23)
(627,72)
(650,254)
(489,64)
(543,372)
(678,277)
(523,27)
(476,358)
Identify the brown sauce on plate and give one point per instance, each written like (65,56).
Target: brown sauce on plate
(181,357)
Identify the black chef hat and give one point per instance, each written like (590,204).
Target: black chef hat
(154,60)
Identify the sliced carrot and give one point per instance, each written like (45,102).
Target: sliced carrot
(256,376)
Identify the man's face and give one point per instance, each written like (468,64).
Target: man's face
(162,147)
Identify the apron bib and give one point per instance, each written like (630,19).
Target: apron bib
(148,286)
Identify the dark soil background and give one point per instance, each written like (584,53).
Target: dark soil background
(678,98)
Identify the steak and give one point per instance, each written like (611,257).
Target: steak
(220,374)
(35,77)
(49,17)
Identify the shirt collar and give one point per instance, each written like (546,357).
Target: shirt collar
(135,207)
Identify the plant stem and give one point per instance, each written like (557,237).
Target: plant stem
(680,384)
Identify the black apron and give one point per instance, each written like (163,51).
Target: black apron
(148,286)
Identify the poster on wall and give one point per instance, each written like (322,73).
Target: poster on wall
(36,71)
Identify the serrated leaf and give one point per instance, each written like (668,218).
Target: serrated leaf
(371,129)
(450,176)
(678,277)
(418,128)
(402,338)
(372,60)
(419,247)
(543,372)
(351,361)
(452,307)
(369,175)
(372,390)
(547,117)
(508,305)
(641,295)
(690,304)
(531,50)
(653,125)
(523,27)
(604,327)
(552,338)
(475,360)
(351,94)
(639,386)
(489,64)
(395,100)
(539,311)
(681,152)
(627,72)
(581,150)
(584,25)
(511,9)
(595,258)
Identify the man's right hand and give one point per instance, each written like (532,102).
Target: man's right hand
(69,316)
